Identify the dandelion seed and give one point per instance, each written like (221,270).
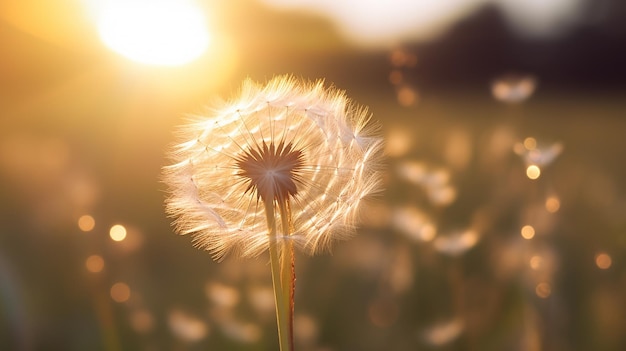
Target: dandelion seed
(536,154)
(444,332)
(187,327)
(285,166)
(456,243)
(414,223)
(513,88)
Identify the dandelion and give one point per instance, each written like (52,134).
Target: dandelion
(284,166)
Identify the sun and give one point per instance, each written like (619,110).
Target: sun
(168,33)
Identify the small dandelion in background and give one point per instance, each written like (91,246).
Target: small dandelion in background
(513,88)
(285,166)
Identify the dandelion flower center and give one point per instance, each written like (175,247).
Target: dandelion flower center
(271,170)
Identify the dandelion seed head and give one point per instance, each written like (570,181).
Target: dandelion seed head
(287,140)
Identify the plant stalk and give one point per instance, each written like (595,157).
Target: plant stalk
(283,275)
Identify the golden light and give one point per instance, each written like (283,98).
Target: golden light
(603,260)
(222,295)
(536,262)
(168,33)
(530,143)
(399,141)
(86,223)
(528,232)
(513,88)
(553,204)
(120,292)
(142,321)
(396,77)
(94,263)
(543,290)
(533,172)
(117,232)
(187,327)
(407,96)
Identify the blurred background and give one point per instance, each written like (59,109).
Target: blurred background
(503,221)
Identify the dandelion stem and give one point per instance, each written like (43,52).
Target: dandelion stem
(282,274)
(288,264)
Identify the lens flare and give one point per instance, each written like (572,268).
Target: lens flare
(168,33)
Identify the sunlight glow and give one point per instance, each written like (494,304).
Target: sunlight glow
(543,290)
(94,263)
(553,204)
(168,33)
(528,232)
(533,172)
(603,260)
(86,223)
(117,232)
(120,292)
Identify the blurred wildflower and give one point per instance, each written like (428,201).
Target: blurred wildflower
(412,171)
(414,223)
(398,141)
(536,154)
(187,327)
(444,333)
(239,331)
(435,182)
(456,243)
(222,295)
(513,88)
(285,141)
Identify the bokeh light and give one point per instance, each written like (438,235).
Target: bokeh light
(414,223)
(553,204)
(528,232)
(407,96)
(94,263)
(456,243)
(86,223)
(222,294)
(533,172)
(536,262)
(398,141)
(513,88)
(142,321)
(120,292)
(444,332)
(543,290)
(117,232)
(155,32)
(187,327)
(530,143)
(603,260)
